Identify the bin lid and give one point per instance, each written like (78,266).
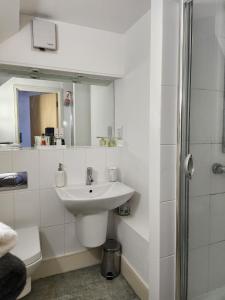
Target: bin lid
(111,245)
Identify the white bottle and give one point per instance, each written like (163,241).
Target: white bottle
(113,174)
(60,176)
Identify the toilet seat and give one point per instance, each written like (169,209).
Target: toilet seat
(28,249)
(28,245)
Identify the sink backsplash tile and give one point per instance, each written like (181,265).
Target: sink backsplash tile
(43,209)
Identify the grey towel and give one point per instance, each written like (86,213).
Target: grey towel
(12,277)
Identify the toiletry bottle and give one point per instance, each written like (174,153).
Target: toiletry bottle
(112,174)
(120,142)
(60,176)
(58,142)
(43,141)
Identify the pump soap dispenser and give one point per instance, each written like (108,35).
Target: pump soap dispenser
(60,176)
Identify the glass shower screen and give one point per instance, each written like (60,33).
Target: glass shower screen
(201,196)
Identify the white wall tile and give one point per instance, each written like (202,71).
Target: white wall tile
(113,157)
(47,211)
(52,241)
(27,208)
(69,217)
(168,171)
(217,218)
(208,61)
(71,242)
(27,160)
(6,161)
(96,158)
(7,208)
(39,205)
(199,210)
(167,228)
(200,183)
(204,21)
(75,166)
(198,272)
(169,115)
(216,265)
(206,116)
(49,161)
(217,181)
(52,209)
(167,278)
(217,122)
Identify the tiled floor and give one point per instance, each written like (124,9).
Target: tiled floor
(84,284)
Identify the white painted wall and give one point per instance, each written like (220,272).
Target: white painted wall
(39,204)
(102,111)
(132,112)
(80,49)
(9,18)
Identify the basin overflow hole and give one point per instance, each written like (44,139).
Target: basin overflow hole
(90,191)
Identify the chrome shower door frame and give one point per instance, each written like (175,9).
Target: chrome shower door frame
(183,148)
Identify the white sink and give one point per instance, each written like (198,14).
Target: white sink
(90,205)
(94,198)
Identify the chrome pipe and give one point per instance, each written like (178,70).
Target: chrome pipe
(218,168)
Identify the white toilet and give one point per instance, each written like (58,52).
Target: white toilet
(28,249)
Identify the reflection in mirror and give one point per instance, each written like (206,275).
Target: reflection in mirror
(37,112)
(94,113)
(52,112)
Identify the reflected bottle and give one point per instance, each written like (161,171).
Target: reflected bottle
(43,141)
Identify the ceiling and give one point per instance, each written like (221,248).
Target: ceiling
(110,15)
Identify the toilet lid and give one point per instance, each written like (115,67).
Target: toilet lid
(28,245)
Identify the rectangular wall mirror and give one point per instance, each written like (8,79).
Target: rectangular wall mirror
(39,108)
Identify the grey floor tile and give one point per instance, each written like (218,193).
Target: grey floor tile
(84,284)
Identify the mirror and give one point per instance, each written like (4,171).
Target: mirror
(37,113)
(55,110)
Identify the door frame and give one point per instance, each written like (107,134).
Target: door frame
(32,88)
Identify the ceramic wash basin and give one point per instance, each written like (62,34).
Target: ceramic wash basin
(91,204)
(85,200)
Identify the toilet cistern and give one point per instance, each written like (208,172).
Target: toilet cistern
(89,178)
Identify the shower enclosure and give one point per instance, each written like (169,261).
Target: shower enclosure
(200,267)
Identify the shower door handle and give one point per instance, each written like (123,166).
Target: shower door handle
(189,166)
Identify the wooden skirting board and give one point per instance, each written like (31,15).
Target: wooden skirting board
(134,279)
(69,262)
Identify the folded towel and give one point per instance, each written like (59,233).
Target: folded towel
(8,238)
(12,277)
